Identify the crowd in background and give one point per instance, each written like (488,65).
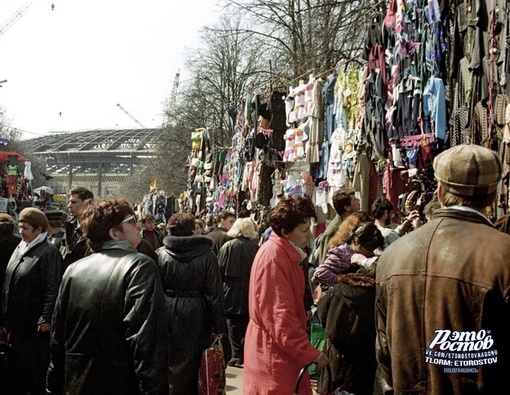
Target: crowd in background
(97,299)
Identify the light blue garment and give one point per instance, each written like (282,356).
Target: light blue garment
(434,106)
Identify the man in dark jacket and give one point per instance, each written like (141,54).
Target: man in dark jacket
(109,330)
(149,232)
(442,291)
(56,221)
(74,245)
(225,220)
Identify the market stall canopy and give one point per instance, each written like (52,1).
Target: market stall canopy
(45,189)
(6,155)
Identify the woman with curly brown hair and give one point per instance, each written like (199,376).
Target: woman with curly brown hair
(276,344)
(109,326)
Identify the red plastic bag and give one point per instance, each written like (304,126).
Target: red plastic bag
(211,376)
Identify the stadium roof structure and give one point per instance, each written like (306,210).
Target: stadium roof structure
(96,152)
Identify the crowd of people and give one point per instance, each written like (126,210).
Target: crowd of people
(98,301)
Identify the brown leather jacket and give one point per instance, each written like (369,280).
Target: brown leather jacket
(442,311)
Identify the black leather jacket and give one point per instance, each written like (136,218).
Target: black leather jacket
(73,245)
(30,287)
(109,332)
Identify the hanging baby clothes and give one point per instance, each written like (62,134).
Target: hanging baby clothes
(316,114)
(335,175)
(289,153)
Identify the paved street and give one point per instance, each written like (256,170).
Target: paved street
(234,380)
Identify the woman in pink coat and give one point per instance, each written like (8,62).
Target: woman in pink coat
(276,344)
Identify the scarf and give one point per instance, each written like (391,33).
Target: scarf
(24,247)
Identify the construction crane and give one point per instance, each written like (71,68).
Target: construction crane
(16,16)
(171,102)
(130,116)
(173,97)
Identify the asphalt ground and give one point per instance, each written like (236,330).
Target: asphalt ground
(234,378)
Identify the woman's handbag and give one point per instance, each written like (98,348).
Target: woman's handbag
(211,376)
(318,340)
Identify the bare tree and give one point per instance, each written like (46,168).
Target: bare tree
(273,44)
(313,36)
(221,72)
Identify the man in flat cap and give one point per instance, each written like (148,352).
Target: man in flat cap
(56,221)
(442,291)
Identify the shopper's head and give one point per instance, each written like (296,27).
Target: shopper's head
(199,226)
(291,218)
(149,222)
(346,227)
(365,238)
(106,219)
(32,222)
(225,219)
(430,207)
(382,207)
(468,175)
(77,198)
(244,227)
(55,218)
(7,224)
(181,224)
(345,200)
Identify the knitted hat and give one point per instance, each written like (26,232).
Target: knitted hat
(468,170)
(34,217)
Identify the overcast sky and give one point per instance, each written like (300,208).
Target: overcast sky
(67,68)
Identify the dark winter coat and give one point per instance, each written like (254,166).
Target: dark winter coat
(219,237)
(235,259)
(158,238)
(109,332)
(31,286)
(74,245)
(57,238)
(30,289)
(8,244)
(194,298)
(347,314)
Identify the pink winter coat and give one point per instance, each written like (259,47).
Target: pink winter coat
(276,344)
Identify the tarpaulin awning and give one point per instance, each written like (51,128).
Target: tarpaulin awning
(6,155)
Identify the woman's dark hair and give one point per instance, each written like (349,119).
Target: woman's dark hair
(289,213)
(181,224)
(99,216)
(380,206)
(368,235)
